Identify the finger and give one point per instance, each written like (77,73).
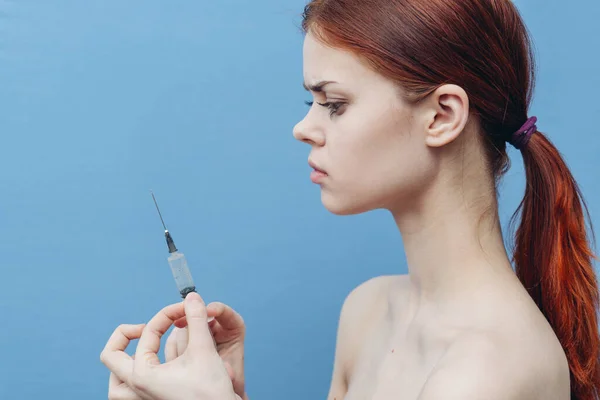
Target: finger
(117,390)
(149,344)
(171,346)
(198,332)
(113,381)
(181,340)
(113,355)
(226,315)
(120,364)
(120,338)
(215,327)
(182,322)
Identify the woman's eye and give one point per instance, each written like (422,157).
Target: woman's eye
(332,106)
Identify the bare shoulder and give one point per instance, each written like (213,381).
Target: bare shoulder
(362,310)
(488,366)
(358,305)
(369,302)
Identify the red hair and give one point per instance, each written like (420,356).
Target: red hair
(484,47)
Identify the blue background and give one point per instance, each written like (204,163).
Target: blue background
(101,101)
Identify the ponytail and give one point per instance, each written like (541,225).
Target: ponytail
(553,260)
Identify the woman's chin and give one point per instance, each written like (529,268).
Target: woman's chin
(342,205)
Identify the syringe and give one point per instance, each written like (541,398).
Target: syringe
(177,262)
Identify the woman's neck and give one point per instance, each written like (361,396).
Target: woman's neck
(453,243)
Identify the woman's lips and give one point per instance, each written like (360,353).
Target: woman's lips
(317,175)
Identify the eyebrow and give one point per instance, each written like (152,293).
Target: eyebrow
(316,87)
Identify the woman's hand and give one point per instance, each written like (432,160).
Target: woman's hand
(228,331)
(198,373)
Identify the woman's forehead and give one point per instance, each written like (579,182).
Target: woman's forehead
(323,64)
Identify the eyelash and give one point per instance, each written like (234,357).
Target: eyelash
(333,106)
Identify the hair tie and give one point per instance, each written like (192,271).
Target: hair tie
(520,138)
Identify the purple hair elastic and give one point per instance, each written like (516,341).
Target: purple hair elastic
(521,137)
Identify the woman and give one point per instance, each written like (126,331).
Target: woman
(414,104)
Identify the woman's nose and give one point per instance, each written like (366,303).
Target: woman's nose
(309,134)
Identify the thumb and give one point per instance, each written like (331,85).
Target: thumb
(199,336)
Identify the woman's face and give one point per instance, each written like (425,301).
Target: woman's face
(367,142)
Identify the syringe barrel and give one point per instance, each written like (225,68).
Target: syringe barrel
(181,273)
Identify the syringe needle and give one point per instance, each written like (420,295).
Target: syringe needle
(168,236)
(157,209)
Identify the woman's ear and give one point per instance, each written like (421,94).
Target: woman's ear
(447,109)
